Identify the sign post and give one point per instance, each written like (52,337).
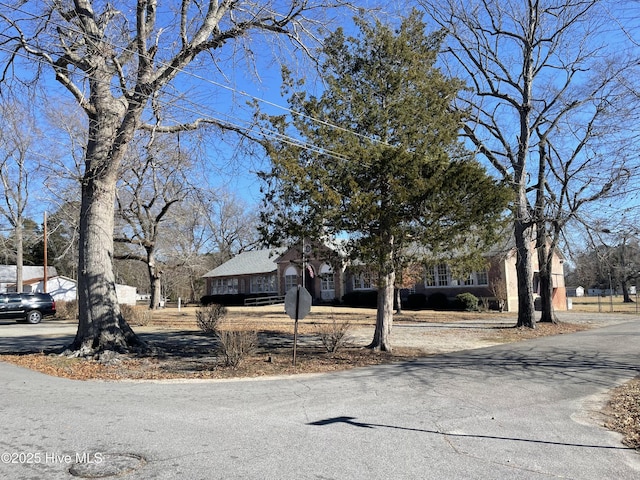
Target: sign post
(297,304)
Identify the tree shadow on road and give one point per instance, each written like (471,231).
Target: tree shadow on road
(352,421)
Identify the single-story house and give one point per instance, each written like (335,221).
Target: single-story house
(253,272)
(30,275)
(61,288)
(272,272)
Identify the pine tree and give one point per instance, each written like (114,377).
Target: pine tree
(378,159)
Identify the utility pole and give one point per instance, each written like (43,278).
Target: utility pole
(44,231)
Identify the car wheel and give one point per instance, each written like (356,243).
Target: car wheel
(34,317)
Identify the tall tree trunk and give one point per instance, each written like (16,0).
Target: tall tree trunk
(524,272)
(384,315)
(154,280)
(398,301)
(545,257)
(101,326)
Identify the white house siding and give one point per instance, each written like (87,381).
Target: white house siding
(65,289)
(62,289)
(126,294)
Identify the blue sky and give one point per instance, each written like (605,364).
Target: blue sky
(223,94)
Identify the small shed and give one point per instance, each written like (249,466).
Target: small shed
(575,291)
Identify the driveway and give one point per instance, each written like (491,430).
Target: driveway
(527,411)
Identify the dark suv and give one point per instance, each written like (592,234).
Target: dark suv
(29,307)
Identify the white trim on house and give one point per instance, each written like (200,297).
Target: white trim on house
(290,278)
(439,276)
(327,282)
(363,281)
(264,284)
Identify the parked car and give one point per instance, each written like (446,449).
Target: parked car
(28,307)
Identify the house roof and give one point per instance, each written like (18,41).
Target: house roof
(249,263)
(29,272)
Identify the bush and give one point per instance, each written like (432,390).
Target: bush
(235,346)
(467,302)
(236,300)
(438,301)
(416,301)
(208,318)
(334,335)
(136,316)
(366,298)
(67,309)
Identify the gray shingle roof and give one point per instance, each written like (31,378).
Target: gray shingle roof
(8,273)
(249,263)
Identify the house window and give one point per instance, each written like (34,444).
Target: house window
(224,286)
(482,278)
(430,279)
(263,284)
(290,278)
(362,281)
(443,275)
(327,278)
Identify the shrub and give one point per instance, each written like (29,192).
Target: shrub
(367,298)
(467,302)
(67,309)
(438,301)
(208,317)
(416,301)
(235,346)
(136,316)
(334,335)
(227,299)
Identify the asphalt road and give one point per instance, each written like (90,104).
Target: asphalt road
(518,411)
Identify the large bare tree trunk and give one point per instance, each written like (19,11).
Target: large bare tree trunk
(545,256)
(155,280)
(524,272)
(101,326)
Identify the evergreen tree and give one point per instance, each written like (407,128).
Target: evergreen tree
(378,160)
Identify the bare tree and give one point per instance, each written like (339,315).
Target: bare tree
(612,257)
(233,225)
(205,230)
(154,181)
(64,135)
(114,62)
(62,236)
(573,174)
(17,166)
(187,258)
(542,75)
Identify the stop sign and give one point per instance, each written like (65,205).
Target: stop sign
(297,302)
